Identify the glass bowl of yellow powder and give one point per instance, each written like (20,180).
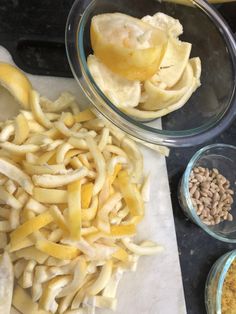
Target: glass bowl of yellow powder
(220,290)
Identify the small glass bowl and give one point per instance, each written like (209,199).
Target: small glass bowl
(223,158)
(209,110)
(215,282)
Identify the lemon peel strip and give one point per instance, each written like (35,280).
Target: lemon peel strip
(51,181)
(17,175)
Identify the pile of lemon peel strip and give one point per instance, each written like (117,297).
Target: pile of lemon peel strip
(72,194)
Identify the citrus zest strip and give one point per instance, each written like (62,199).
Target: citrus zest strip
(30,226)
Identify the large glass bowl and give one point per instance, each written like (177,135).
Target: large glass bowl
(223,158)
(215,282)
(210,109)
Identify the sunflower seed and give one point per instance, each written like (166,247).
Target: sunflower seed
(229,217)
(211,195)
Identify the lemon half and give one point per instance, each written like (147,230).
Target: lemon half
(174,62)
(168,24)
(16,83)
(159,98)
(195,65)
(127,45)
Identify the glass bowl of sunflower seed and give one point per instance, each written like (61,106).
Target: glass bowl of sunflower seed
(207,191)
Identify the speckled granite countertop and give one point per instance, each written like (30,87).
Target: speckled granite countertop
(33,31)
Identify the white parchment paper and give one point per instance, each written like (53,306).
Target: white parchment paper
(156,287)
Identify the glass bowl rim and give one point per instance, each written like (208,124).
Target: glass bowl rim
(131,126)
(186,176)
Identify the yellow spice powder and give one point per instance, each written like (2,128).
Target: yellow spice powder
(228,302)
